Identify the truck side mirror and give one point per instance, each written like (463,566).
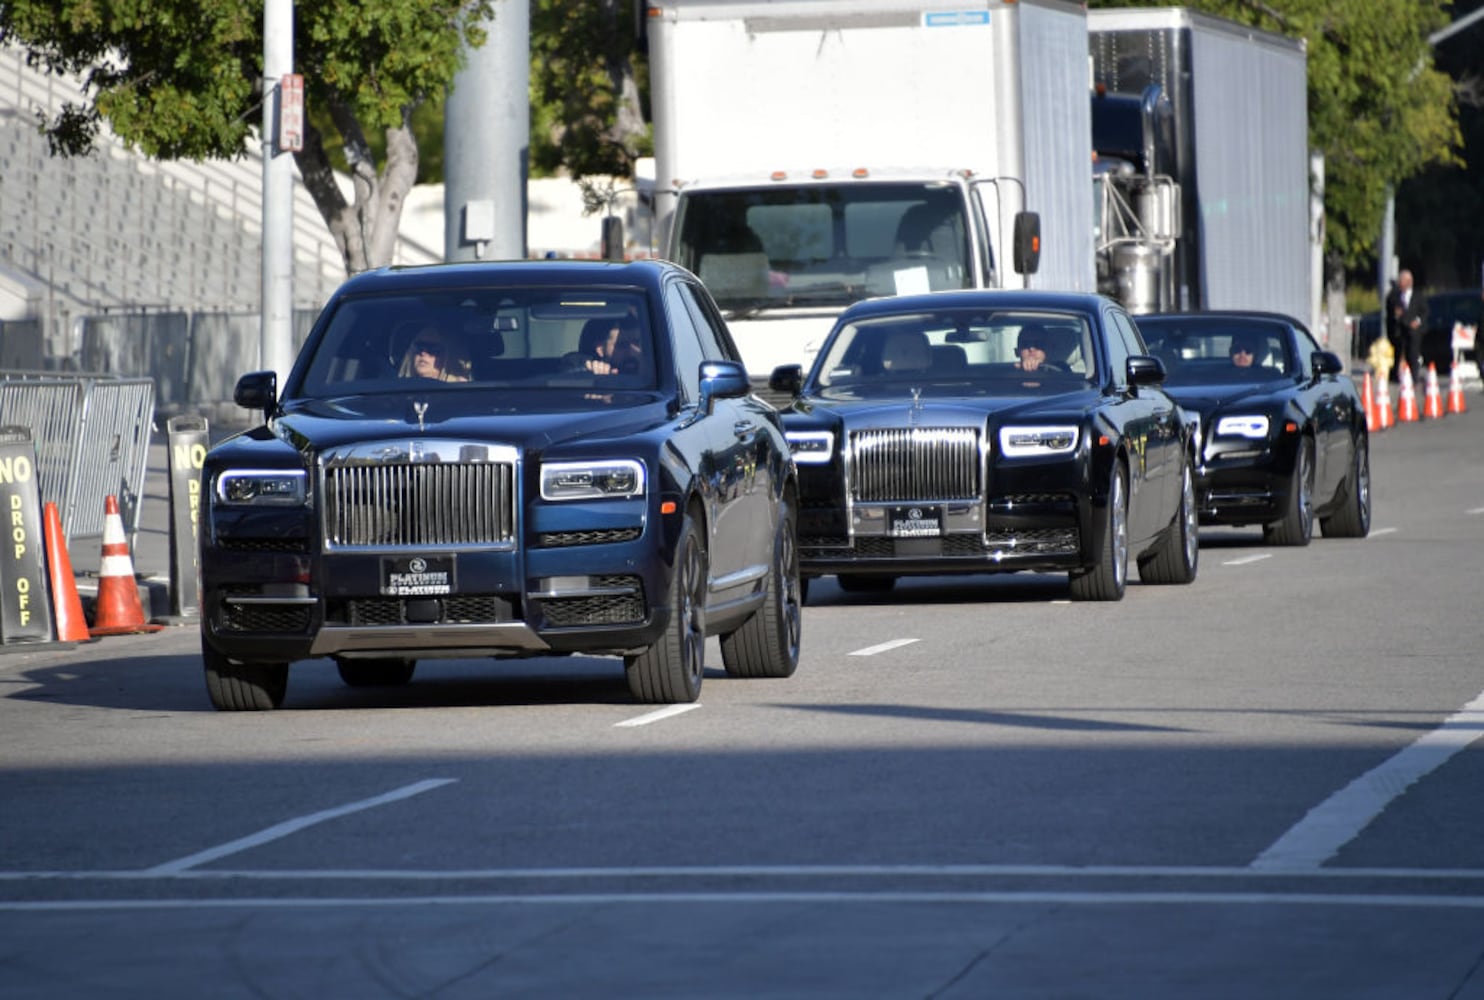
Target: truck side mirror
(1027,250)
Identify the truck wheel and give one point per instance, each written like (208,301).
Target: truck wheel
(767,644)
(1107,580)
(234,686)
(1353,518)
(1297,525)
(1178,554)
(670,671)
(389,672)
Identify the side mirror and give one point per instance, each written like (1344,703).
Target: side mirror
(257,391)
(722,380)
(1143,369)
(787,379)
(1027,249)
(1326,363)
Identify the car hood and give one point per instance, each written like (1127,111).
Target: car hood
(532,421)
(1208,399)
(950,411)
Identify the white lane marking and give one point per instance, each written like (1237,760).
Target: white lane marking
(1339,819)
(679,872)
(657,715)
(1378,532)
(883,647)
(280,830)
(602,898)
(1476,510)
(1246,560)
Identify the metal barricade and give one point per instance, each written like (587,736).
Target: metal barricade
(92,435)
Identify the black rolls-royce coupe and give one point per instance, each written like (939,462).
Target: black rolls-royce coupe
(1283,429)
(503,459)
(990,431)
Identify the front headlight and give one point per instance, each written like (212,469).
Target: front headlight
(262,488)
(1252,426)
(1024,442)
(592,480)
(811,447)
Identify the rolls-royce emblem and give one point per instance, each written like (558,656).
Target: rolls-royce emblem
(420,407)
(417,565)
(415,448)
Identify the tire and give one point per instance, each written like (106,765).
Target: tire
(767,644)
(670,671)
(1108,580)
(390,672)
(1353,518)
(1297,524)
(873,584)
(234,686)
(1178,555)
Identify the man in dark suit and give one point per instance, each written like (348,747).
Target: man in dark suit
(1408,312)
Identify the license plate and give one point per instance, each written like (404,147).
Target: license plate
(417,576)
(914,522)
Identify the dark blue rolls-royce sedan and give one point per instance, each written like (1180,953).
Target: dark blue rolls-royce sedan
(991,431)
(503,459)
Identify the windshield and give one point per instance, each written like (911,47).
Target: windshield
(968,352)
(1214,351)
(447,339)
(826,245)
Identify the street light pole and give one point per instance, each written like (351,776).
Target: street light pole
(278,194)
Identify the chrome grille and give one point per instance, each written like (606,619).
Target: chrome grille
(915,463)
(419,504)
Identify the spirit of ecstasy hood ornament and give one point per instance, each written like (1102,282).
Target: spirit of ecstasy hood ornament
(420,407)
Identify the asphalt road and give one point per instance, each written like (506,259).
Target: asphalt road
(1265,784)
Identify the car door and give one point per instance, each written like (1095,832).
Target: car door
(1332,411)
(1152,429)
(720,450)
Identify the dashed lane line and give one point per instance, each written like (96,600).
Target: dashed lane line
(1248,560)
(1378,532)
(281,830)
(883,647)
(660,713)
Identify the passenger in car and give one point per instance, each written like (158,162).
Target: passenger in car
(1245,348)
(1030,348)
(433,354)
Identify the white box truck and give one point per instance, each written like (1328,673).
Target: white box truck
(809,153)
(1202,134)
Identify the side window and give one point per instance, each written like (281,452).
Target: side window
(715,341)
(1118,341)
(688,350)
(1306,351)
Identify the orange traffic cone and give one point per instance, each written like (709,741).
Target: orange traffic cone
(1384,415)
(1455,392)
(1368,400)
(72,623)
(1406,407)
(1432,403)
(119,610)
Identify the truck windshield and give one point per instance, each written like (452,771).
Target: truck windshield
(820,244)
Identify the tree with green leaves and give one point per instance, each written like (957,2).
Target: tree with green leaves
(182,79)
(1378,109)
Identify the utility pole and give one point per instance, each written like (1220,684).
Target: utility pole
(277,344)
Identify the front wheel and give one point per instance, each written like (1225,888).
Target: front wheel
(1353,519)
(1177,556)
(767,644)
(670,671)
(1108,579)
(1297,524)
(234,686)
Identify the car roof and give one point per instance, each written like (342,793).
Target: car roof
(475,274)
(978,298)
